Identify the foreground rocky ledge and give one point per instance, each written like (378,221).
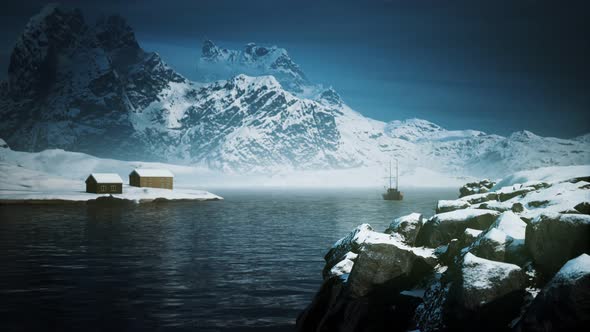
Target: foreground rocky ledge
(503,257)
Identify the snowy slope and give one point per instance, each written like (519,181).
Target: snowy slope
(92,89)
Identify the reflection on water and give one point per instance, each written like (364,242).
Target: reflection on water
(251,262)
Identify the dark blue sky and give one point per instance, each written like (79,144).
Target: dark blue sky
(499,66)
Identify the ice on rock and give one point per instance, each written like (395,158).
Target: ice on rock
(341,268)
(511,225)
(574,269)
(443,227)
(485,280)
(451,205)
(408,226)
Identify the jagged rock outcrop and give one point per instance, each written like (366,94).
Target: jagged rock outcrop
(483,278)
(553,239)
(484,288)
(444,227)
(389,261)
(476,188)
(443,206)
(407,226)
(503,241)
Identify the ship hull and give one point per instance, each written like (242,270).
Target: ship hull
(393,195)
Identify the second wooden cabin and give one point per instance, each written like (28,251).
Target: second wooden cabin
(153,178)
(104,183)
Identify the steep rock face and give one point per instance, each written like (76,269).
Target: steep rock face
(73,85)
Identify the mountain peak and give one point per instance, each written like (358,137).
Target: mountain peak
(331,97)
(113,33)
(522,135)
(33,58)
(218,63)
(209,50)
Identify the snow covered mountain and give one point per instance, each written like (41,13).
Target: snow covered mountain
(220,63)
(92,89)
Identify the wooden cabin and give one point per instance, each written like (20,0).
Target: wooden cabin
(104,183)
(153,178)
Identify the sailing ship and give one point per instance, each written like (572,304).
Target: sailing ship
(393,194)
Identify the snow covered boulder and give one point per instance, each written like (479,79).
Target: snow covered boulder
(480,198)
(408,226)
(443,227)
(503,241)
(388,260)
(553,238)
(451,205)
(564,303)
(484,281)
(349,243)
(487,296)
(476,188)
(505,194)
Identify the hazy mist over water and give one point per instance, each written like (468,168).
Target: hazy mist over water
(252,261)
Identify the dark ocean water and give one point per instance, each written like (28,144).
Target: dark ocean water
(249,263)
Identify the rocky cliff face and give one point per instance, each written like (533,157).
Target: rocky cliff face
(91,88)
(74,85)
(514,258)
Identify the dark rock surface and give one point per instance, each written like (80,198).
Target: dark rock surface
(552,239)
(564,303)
(444,227)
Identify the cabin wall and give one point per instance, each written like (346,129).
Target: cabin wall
(157,182)
(91,187)
(134,180)
(109,188)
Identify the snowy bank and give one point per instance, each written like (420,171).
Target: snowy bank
(130,194)
(57,177)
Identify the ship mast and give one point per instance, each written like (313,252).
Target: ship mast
(396,175)
(390,174)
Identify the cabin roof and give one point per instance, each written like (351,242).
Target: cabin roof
(106,178)
(149,172)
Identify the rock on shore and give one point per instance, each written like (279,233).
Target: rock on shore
(505,257)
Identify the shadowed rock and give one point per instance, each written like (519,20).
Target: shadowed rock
(443,227)
(564,303)
(552,239)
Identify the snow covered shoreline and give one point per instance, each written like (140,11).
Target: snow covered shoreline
(57,177)
(130,194)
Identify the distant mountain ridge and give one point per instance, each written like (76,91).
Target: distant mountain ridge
(91,88)
(218,63)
